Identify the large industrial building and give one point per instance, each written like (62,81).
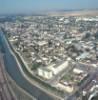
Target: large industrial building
(53,69)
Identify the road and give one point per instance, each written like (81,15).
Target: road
(5,92)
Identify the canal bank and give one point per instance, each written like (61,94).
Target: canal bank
(13,69)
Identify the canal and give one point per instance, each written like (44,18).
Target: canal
(12,68)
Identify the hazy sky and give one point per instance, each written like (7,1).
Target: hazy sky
(28,6)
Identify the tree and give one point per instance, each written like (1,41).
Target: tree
(87,35)
(35,65)
(96,35)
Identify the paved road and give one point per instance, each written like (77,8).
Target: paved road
(5,93)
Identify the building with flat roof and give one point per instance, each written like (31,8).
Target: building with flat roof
(53,69)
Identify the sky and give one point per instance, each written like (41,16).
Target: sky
(30,6)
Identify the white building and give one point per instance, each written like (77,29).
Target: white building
(45,73)
(49,71)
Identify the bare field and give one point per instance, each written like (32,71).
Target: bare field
(75,13)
